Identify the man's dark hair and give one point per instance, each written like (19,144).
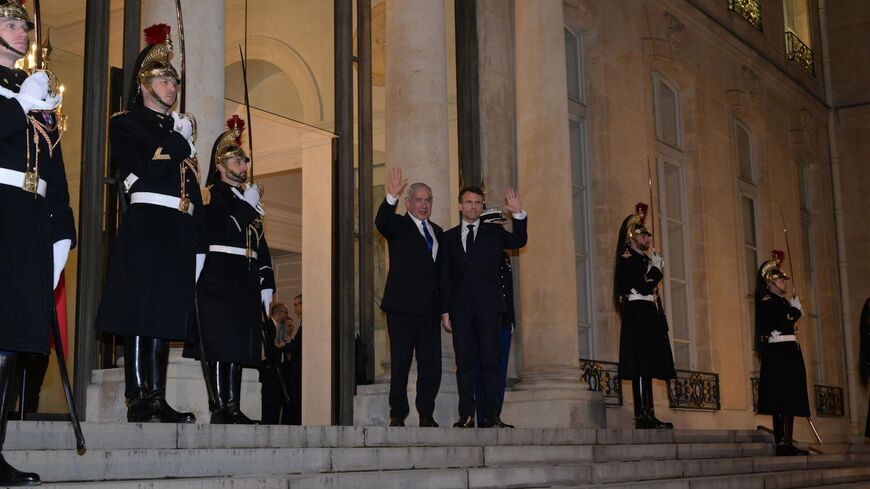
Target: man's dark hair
(472,189)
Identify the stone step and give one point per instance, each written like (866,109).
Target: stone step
(48,435)
(133,464)
(817,478)
(564,477)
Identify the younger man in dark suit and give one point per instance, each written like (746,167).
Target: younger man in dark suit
(411,296)
(472,305)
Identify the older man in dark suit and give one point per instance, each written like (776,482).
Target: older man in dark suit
(472,302)
(411,296)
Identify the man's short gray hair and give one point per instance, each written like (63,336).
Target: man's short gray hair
(414,187)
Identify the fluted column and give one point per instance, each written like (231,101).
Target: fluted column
(204,45)
(416,86)
(417,141)
(549,375)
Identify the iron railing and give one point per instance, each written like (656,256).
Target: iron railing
(694,390)
(798,52)
(750,10)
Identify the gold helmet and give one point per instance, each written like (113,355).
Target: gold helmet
(14,9)
(229,144)
(635,224)
(156,56)
(771,270)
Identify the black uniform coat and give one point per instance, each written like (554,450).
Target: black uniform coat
(150,280)
(230,307)
(29,225)
(472,282)
(412,281)
(782,386)
(644,347)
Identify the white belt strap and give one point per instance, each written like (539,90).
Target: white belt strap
(16,179)
(231,250)
(782,338)
(158,199)
(640,297)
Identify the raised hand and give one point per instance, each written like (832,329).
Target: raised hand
(512,200)
(395,183)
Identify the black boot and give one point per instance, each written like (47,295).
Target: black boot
(788,424)
(9,475)
(158,356)
(217,393)
(650,406)
(137,385)
(234,400)
(641,419)
(782,449)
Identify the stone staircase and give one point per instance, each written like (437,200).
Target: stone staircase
(161,456)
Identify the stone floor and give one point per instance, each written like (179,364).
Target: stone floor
(163,456)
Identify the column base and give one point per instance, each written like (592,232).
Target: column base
(185,391)
(371,404)
(548,401)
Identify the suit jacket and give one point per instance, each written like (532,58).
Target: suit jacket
(472,281)
(272,352)
(413,279)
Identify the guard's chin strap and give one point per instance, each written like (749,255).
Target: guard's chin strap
(7,46)
(233,174)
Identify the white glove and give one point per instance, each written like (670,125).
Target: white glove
(183,125)
(252,195)
(200,262)
(61,253)
(33,91)
(266,296)
(657,261)
(796,303)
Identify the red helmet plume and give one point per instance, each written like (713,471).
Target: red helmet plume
(157,33)
(640,209)
(237,125)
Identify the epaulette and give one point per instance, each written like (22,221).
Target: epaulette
(206,194)
(627,254)
(765,298)
(121,112)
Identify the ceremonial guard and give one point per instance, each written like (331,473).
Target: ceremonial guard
(149,291)
(237,282)
(36,222)
(644,347)
(782,386)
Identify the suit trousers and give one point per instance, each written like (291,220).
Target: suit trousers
(477,340)
(272,396)
(412,334)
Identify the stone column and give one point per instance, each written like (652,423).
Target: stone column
(204,45)
(549,393)
(417,141)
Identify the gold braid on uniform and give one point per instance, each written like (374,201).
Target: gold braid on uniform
(253,237)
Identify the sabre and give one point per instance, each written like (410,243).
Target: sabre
(37,32)
(794,293)
(660,290)
(248,111)
(182,99)
(64,380)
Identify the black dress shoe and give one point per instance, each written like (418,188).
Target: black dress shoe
(464,422)
(231,416)
(168,415)
(428,422)
(397,421)
(659,424)
(10,476)
(494,422)
(643,422)
(141,411)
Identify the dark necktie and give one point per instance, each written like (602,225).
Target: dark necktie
(469,238)
(430,243)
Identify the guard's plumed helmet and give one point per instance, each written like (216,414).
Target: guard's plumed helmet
(154,60)
(229,144)
(771,269)
(14,9)
(635,224)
